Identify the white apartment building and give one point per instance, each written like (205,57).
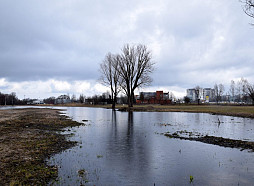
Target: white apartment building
(205,94)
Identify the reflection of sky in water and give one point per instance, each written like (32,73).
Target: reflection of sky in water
(207,124)
(118,148)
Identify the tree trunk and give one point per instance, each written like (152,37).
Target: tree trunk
(132,98)
(129,101)
(114,102)
(129,95)
(113,105)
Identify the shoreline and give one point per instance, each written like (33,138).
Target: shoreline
(235,111)
(28,136)
(245,111)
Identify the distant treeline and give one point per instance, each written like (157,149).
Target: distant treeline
(10,99)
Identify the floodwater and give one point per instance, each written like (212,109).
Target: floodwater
(121,148)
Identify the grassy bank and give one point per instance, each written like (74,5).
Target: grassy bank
(242,111)
(27,138)
(230,110)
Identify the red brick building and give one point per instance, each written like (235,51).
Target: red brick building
(158,97)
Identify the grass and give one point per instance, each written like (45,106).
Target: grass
(81,172)
(99,156)
(224,142)
(27,139)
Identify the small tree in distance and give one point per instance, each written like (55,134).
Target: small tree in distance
(249,89)
(81,98)
(197,92)
(186,99)
(219,90)
(232,90)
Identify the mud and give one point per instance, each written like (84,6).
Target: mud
(224,142)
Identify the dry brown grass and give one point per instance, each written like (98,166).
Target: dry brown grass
(27,137)
(241,111)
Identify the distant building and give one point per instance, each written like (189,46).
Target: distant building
(208,94)
(35,102)
(205,95)
(191,94)
(158,97)
(147,95)
(63,99)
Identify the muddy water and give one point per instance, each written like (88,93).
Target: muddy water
(120,148)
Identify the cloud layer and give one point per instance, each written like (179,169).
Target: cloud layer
(46,45)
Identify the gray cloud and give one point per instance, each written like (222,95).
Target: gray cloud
(193,42)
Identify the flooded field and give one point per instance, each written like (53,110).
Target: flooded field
(121,148)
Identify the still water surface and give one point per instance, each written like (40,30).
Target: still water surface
(121,148)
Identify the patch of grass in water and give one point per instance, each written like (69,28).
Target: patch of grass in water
(82,172)
(99,156)
(191,179)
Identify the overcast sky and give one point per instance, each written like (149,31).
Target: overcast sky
(49,48)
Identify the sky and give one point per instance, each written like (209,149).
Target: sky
(52,47)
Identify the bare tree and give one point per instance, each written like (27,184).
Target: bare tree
(244,84)
(216,90)
(13,97)
(238,91)
(73,98)
(135,67)
(197,93)
(172,97)
(232,90)
(81,98)
(219,90)
(241,90)
(248,7)
(110,75)
(249,89)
